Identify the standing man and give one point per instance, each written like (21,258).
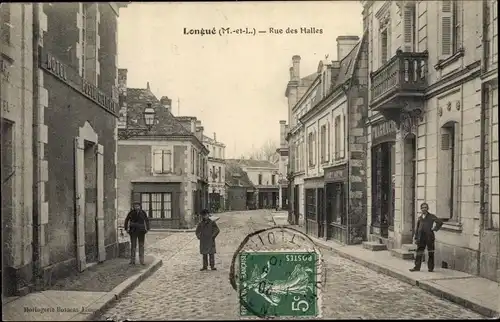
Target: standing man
(424,237)
(206,232)
(137,225)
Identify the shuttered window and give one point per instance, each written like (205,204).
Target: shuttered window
(383,46)
(447,169)
(337,138)
(450,27)
(310,144)
(162,161)
(323,144)
(408,29)
(328,136)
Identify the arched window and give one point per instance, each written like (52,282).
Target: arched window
(448,171)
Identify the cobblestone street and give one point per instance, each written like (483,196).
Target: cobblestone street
(178,290)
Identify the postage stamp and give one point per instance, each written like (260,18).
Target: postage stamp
(281,283)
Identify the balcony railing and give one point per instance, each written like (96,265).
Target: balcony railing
(406,72)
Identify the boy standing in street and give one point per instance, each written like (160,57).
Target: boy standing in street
(206,232)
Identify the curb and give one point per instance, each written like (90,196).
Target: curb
(172,230)
(424,285)
(98,307)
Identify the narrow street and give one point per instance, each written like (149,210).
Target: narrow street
(178,290)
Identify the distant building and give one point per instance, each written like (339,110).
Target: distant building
(239,188)
(216,173)
(163,166)
(264,176)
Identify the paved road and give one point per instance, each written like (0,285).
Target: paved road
(178,290)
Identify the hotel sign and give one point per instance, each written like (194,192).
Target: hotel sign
(71,78)
(336,174)
(382,130)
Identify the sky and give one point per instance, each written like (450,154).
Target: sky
(235,84)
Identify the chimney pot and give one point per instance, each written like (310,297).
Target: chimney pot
(296,67)
(215,137)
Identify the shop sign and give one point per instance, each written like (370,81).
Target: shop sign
(68,76)
(336,174)
(384,129)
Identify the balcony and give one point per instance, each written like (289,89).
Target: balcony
(399,84)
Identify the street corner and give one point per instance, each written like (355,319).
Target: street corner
(284,283)
(98,307)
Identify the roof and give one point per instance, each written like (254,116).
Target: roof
(308,80)
(254,163)
(347,64)
(137,100)
(236,176)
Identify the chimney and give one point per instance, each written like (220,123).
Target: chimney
(296,67)
(122,80)
(193,125)
(291,73)
(215,137)
(344,45)
(167,103)
(282,133)
(147,87)
(335,70)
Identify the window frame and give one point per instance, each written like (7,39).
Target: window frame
(163,151)
(163,210)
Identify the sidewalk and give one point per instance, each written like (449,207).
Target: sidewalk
(81,297)
(475,293)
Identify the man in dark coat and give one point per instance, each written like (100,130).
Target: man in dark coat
(207,231)
(137,225)
(424,237)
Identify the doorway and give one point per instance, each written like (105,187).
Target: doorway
(409,214)
(296,210)
(321,212)
(8,282)
(90,224)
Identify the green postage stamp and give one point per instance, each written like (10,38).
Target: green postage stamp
(285,283)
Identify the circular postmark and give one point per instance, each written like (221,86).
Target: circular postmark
(278,272)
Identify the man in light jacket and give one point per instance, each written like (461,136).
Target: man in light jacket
(206,231)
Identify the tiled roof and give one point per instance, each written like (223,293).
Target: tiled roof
(235,176)
(254,163)
(308,80)
(137,100)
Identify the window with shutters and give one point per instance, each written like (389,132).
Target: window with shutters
(162,161)
(450,27)
(384,44)
(344,136)
(448,171)
(337,137)
(328,140)
(5,23)
(310,148)
(409,28)
(323,143)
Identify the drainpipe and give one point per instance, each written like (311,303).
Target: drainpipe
(483,132)
(346,88)
(37,268)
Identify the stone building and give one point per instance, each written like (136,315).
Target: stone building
(162,162)
(216,173)
(239,188)
(299,94)
(264,177)
(16,94)
(59,72)
(433,127)
(334,178)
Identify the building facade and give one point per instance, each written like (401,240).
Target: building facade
(16,94)
(264,177)
(333,121)
(432,134)
(62,61)
(164,166)
(239,188)
(216,173)
(299,96)
(283,173)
